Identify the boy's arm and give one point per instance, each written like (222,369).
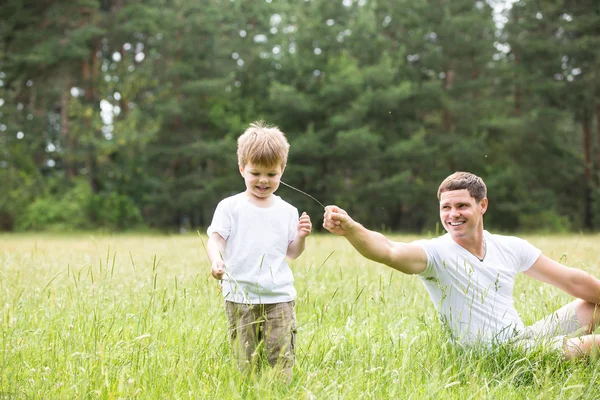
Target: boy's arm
(405,257)
(296,247)
(215,248)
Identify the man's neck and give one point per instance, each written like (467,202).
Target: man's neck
(475,245)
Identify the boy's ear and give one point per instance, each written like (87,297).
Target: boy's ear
(241,169)
(283,169)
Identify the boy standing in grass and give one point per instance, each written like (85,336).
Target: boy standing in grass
(250,236)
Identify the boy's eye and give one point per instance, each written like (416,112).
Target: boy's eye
(272,174)
(255,173)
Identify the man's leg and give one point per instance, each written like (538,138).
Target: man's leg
(280,337)
(581,346)
(588,315)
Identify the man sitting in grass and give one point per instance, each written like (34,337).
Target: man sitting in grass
(470,274)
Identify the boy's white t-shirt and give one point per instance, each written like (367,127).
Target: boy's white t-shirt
(256,246)
(475,298)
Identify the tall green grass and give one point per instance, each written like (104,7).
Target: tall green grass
(140,317)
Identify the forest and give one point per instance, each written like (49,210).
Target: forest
(123,114)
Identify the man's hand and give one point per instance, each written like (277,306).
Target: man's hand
(304,225)
(337,221)
(217,269)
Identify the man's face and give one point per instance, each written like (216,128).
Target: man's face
(461,214)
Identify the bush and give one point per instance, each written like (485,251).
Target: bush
(78,209)
(544,221)
(114,211)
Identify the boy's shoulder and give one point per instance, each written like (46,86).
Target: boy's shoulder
(241,200)
(282,203)
(231,202)
(235,198)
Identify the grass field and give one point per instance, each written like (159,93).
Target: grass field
(123,316)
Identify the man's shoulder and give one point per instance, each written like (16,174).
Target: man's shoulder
(442,239)
(436,244)
(503,239)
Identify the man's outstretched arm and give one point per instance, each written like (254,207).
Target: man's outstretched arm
(405,257)
(576,282)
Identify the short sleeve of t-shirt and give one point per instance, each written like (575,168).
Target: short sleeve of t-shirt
(523,253)
(222,220)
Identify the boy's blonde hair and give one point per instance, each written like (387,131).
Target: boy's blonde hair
(262,145)
(464,180)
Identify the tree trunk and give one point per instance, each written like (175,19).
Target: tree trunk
(587,151)
(66,134)
(598,147)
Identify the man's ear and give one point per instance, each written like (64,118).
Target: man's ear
(484,205)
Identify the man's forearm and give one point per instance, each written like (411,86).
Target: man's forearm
(585,287)
(370,244)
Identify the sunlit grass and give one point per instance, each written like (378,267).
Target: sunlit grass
(140,316)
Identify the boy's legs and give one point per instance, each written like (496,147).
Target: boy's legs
(245,322)
(280,337)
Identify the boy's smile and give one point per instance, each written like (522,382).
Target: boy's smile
(261,182)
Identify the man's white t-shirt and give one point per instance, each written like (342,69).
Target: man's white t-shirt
(475,298)
(256,271)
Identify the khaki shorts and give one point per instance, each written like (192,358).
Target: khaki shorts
(552,331)
(254,326)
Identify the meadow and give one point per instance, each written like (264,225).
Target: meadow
(138,316)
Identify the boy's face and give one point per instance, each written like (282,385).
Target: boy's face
(261,181)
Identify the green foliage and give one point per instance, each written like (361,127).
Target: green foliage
(79,209)
(380,101)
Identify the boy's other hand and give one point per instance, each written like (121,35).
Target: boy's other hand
(218,269)
(304,225)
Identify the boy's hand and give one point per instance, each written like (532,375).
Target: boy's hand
(217,269)
(304,225)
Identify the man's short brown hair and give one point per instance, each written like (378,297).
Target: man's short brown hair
(464,180)
(262,145)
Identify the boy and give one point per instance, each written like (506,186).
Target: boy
(249,238)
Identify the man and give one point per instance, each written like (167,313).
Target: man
(470,273)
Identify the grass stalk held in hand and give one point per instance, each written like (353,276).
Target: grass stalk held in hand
(304,193)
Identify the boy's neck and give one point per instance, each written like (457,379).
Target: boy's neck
(261,202)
